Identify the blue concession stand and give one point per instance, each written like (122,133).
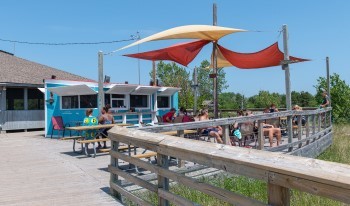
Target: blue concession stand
(129,103)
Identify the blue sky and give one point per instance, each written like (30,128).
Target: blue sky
(316,29)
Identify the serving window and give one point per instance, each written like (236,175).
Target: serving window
(163,101)
(139,101)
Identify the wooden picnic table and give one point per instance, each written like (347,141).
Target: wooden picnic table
(99,130)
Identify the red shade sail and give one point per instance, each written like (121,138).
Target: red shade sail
(271,56)
(182,53)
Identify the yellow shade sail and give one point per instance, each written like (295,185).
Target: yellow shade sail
(204,32)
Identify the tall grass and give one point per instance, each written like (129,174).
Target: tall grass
(255,189)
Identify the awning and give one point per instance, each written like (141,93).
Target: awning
(41,89)
(182,53)
(271,56)
(145,90)
(72,90)
(203,32)
(168,91)
(121,89)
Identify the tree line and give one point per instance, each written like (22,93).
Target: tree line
(173,75)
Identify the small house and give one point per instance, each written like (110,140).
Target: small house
(129,103)
(21,92)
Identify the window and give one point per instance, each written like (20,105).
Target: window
(118,101)
(163,102)
(35,99)
(107,99)
(139,101)
(88,101)
(15,99)
(70,102)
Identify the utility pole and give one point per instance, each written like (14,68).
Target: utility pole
(154,69)
(215,67)
(101,95)
(285,67)
(138,60)
(195,88)
(328,83)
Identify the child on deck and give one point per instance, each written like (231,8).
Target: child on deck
(89,120)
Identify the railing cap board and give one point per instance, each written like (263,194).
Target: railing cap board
(231,120)
(299,167)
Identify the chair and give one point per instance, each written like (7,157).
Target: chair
(178,119)
(159,119)
(248,133)
(57,124)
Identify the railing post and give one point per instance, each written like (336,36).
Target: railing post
(180,162)
(307,128)
(226,135)
(319,122)
(300,132)
(313,125)
(278,195)
(261,137)
(290,131)
(163,182)
(114,163)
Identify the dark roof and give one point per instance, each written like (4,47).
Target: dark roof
(17,70)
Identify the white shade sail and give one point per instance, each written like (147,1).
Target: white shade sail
(72,90)
(145,90)
(169,91)
(204,32)
(121,89)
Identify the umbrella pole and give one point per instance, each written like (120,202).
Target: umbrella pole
(215,69)
(100,81)
(285,67)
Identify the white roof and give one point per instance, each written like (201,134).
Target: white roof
(72,90)
(145,90)
(121,89)
(169,91)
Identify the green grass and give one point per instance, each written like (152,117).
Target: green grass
(338,152)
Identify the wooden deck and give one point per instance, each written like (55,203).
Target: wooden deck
(40,171)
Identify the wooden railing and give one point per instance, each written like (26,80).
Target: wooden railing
(318,125)
(282,172)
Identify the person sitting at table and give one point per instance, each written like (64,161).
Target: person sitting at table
(271,131)
(105,118)
(169,117)
(295,118)
(211,131)
(186,117)
(273,108)
(89,120)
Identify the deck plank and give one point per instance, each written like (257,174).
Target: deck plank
(42,171)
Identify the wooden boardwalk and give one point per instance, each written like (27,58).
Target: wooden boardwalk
(40,171)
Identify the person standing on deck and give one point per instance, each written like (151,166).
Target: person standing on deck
(326,101)
(105,118)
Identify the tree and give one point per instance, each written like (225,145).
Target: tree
(303,99)
(230,100)
(206,83)
(265,99)
(339,94)
(172,75)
